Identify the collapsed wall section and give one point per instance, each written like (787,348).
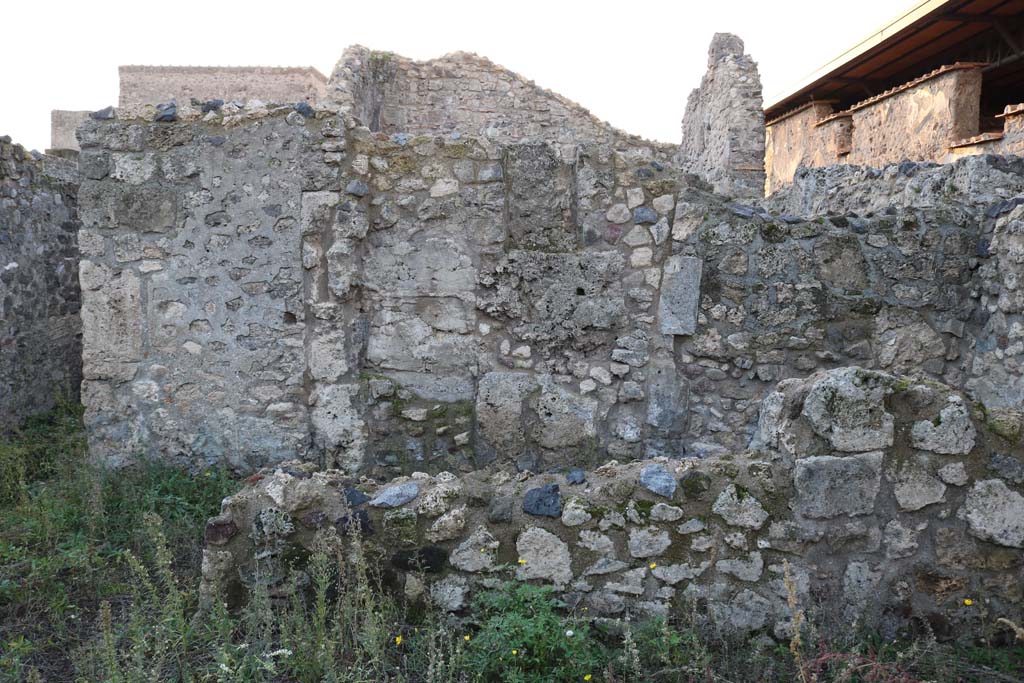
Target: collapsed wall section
(458,93)
(40,332)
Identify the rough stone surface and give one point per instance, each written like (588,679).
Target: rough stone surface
(396,496)
(915,486)
(542,555)
(657,479)
(739,508)
(506,318)
(649,542)
(829,486)
(952,433)
(850,525)
(995,513)
(545,501)
(848,409)
(680,294)
(40,326)
(723,127)
(445,269)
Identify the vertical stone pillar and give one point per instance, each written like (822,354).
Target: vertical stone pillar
(723,127)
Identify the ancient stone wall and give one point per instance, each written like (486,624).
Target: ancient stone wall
(562,352)
(149,85)
(986,191)
(264,286)
(40,331)
(882,501)
(459,93)
(723,127)
(283,287)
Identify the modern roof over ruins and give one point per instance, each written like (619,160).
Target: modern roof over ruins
(929,35)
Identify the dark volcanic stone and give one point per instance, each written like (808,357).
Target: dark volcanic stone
(544,501)
(644,214)
(429,558)
(359,519)
(576,476)
(304,109)
(501,510)
(659,480)
(104,114)
(355,497)
(314,519)
(220,530)
(357,187)
(212,105)
(167,112)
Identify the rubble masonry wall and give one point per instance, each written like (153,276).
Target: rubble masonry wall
(40,330)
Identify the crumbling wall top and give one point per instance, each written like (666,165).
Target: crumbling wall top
(460,92)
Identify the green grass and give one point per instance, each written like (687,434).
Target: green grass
(99,576)
(65,527)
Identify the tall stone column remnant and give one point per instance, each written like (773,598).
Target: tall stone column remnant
(723,127)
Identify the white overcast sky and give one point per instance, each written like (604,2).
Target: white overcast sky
(631,63)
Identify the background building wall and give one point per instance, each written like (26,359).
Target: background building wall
(919,121)
(142,85)
(796,141)
(933,118)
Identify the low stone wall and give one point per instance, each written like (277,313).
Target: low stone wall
(723,127)
(979,186)
(894,502)
(40,330)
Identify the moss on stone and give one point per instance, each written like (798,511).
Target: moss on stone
(694,484)
(402,164)
(1004,422)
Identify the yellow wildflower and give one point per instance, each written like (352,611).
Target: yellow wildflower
(522,561)
(587,677)
(465,638)
(968,602)
(398,640)
(515,652)
(653,565)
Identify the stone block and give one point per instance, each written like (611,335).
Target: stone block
(829,486)
(680,295)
